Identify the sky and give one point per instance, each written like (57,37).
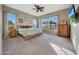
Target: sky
(54,19)
(72,12)
(11,17)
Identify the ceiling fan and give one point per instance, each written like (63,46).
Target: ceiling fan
(38,8)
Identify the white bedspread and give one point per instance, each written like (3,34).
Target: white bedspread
(29,31)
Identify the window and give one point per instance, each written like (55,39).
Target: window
(44,22)
(20,20)
(34,22)
(49,22)
(11,17)
(11,20)
(53,22)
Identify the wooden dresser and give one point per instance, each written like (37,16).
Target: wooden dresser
(13,33)
(64,30)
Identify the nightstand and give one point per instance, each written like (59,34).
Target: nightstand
(13,33)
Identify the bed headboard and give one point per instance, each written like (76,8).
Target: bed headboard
(24,26)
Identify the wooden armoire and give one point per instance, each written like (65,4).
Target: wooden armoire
(64,30)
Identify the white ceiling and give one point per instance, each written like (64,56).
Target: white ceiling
(48,8)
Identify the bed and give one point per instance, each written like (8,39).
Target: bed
(29,33)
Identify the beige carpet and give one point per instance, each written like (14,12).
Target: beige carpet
(43,45)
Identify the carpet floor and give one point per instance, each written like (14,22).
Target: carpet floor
(42,45)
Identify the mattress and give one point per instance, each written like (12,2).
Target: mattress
(29,31)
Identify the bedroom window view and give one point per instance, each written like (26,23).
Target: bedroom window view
(44,22)
(34,22)
(40,30)
(53,22)
(49,22)
(11,22)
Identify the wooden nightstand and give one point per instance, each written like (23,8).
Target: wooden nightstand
(13,33)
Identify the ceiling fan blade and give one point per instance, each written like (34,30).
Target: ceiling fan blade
(36,6)
(37,10)
(41,7)
(41,10)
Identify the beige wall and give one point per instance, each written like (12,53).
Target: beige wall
(26,19)
(19,14)
(62,15)
(76,6)
(0,29)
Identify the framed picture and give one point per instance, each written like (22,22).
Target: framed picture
(20,20)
